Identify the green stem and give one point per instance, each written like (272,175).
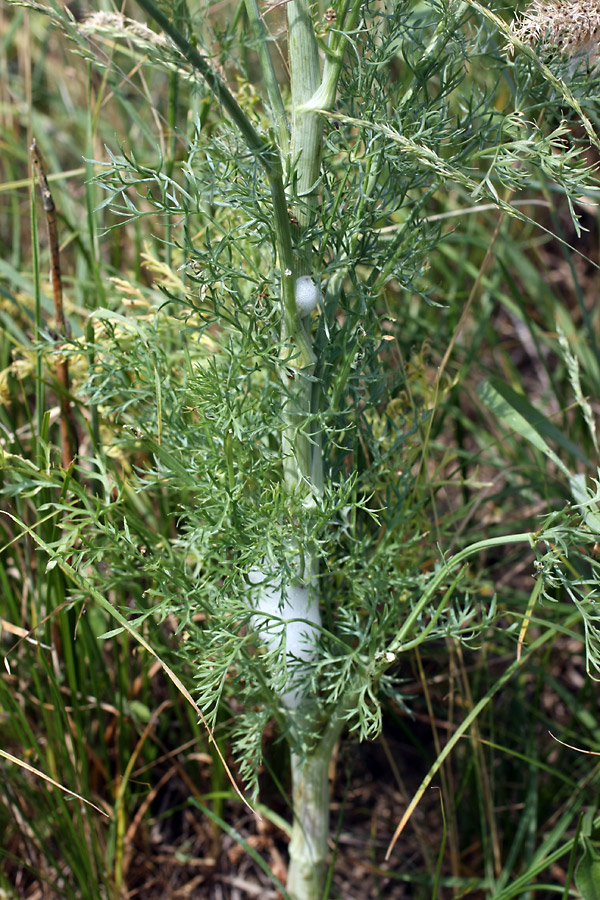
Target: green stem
(170,165)
(299,450)
(324,94)
(297,443)
(302,453)
(37,293)
(98,295)
(267,155)
(307,126)
(310,832)
(268,72)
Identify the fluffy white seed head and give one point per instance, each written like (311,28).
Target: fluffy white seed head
(307,294)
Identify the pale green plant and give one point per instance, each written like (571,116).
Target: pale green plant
(262,395)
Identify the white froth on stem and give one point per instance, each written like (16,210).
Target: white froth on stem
(307,294)
(289,619)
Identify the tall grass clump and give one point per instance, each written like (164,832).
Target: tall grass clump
(267,464)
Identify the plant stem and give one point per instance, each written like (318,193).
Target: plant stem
(303,456)
(98,295)
(68,430)
(307,126)
(299,448)
(310,831)
(268,157)
(37,294)
(268,72)
(323,97)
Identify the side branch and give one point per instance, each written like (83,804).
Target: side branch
(260,148)
(268,156)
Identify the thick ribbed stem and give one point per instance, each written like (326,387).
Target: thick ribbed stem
(307,132)
(307,127)
(302,453)
(310,831)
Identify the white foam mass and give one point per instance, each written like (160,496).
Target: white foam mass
(307,294)
(292,621)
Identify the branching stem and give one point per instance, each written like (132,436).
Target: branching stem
(268,156)
(323,97)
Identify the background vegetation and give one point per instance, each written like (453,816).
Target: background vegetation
(483,309)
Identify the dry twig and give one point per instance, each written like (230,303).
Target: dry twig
(68,432)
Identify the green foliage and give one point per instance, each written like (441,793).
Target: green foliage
(215,453)
(587,872)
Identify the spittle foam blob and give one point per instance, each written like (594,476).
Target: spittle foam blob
(307,294)
(289,620)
